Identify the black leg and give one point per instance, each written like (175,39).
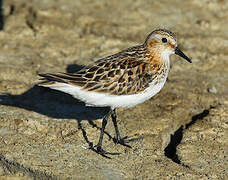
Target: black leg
(99,144)
(113,115)
(118,138)
(104,123)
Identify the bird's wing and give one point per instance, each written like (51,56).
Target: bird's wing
(123,73)
(117,77)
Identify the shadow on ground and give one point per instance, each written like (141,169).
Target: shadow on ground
(52,103)
(56,104)
(1,16)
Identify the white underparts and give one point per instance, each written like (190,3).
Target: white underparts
(114,101)
(104,100)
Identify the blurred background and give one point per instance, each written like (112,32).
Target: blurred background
(44,134)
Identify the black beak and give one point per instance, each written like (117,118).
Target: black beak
(181,54)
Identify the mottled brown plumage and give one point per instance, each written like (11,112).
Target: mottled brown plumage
(127,72)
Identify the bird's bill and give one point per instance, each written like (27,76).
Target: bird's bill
(181,54)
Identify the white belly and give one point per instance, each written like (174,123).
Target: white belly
(106,100)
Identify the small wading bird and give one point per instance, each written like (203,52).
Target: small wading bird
(125,79)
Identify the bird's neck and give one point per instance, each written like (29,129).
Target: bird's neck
(158,59)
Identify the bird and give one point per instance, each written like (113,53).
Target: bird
(122,80)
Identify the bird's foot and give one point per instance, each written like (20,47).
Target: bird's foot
(122,141)
(98,149)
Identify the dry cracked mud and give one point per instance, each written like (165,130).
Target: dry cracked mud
(181,133)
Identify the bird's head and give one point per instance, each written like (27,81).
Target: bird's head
(164,43)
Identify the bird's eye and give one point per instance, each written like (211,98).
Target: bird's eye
(164,40)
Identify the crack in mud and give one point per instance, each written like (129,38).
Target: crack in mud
(11,167)
(171,149)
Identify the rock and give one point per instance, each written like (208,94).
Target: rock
(212,90)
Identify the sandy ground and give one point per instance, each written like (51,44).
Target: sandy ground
(179,134)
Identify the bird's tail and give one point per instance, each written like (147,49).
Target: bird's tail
(50,79)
